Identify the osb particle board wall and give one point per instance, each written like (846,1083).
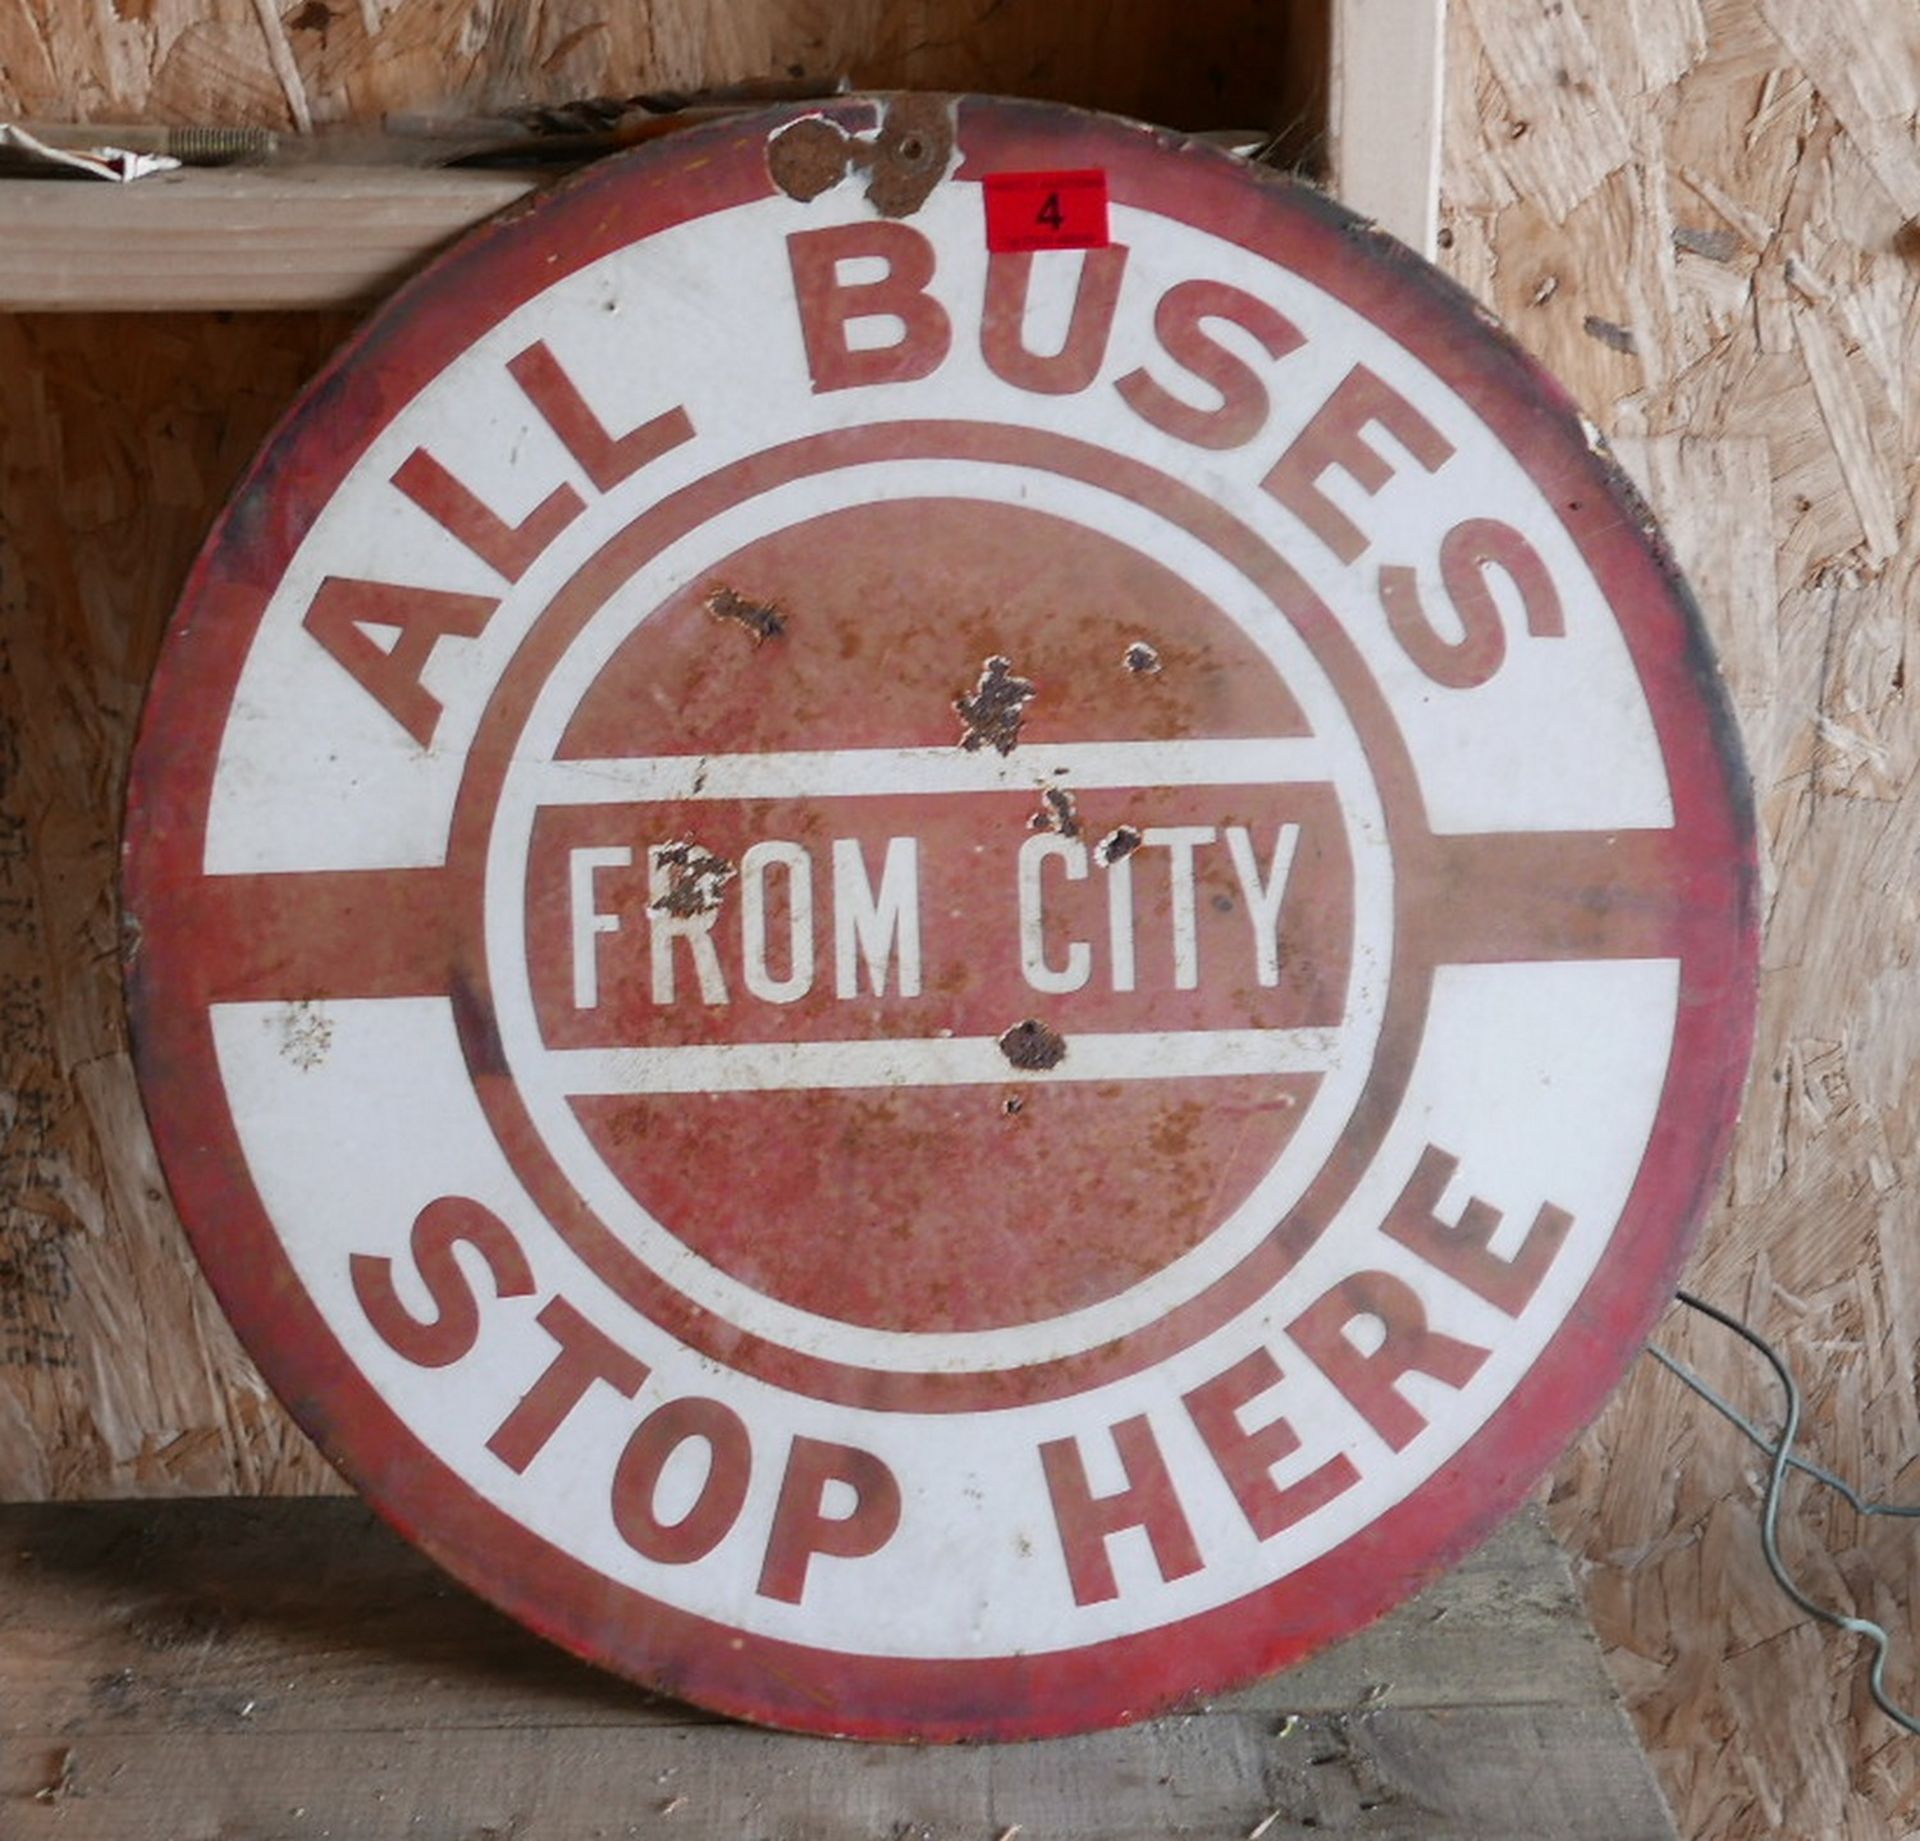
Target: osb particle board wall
(1701,213)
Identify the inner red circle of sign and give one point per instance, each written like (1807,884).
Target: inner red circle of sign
(930,1205)
(1263,703)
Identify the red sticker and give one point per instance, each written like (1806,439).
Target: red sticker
(1046,211)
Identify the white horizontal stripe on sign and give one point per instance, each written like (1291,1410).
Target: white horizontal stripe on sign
(849,772)
(935,1061)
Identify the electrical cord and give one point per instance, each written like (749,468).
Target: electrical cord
(1784,1459)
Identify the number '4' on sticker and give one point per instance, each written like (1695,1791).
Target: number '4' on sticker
(1046,210)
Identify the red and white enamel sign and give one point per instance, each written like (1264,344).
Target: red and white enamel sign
(927,991)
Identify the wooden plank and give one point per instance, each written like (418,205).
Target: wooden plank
(301,238)
(1493,1775)
(292,1669)
(208,1600)
(1384,108)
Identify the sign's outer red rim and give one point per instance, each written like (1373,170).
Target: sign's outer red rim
(785,1684)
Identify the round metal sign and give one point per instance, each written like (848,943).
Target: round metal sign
(936,919)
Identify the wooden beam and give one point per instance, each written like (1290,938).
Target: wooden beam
(249,240)
(344,236)
(1384,88)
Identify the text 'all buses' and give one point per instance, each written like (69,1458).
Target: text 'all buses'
(887,332)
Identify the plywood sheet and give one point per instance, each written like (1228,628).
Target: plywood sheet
(320,63)
(118,438)
(1725,281)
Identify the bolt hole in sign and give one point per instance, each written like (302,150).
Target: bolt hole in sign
(928,986)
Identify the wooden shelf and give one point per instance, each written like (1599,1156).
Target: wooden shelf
(310,237)
(344,236)
(290,1669)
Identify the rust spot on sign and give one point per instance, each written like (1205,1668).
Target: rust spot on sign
(1033,1047)
(1142,660)
(694,879)
(1057,813)
(995,708)
(916,141)
(1121,841)
(808,157)
(762,619)
(904,161)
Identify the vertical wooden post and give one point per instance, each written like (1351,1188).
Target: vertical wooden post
(1383,113)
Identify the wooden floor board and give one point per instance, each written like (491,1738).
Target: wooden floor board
(286,1671)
